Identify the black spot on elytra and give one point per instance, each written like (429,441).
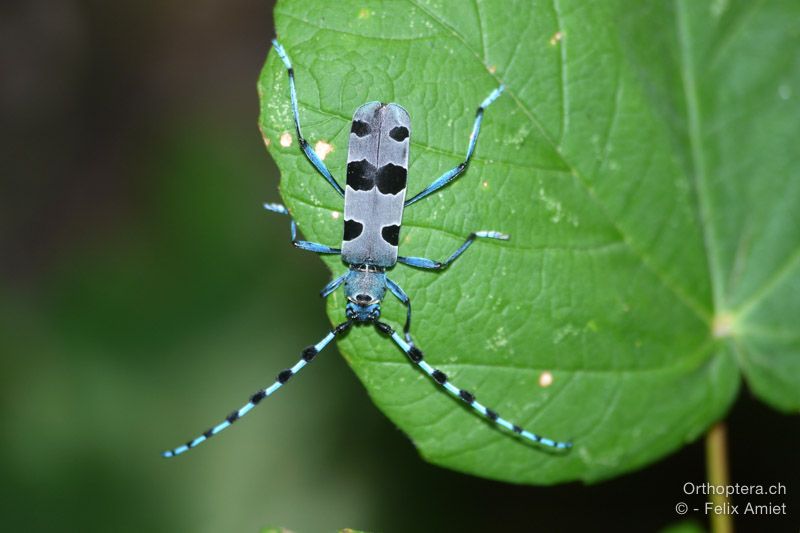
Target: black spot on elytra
(361,175)
(399,133)
(352,229)
(391,178)
(391,234)
(360,128)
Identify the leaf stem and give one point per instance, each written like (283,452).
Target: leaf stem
(717,474)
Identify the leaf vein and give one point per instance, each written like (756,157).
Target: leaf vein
(698,174)
(774,281)
(341,30)
(562,64)
(595,248)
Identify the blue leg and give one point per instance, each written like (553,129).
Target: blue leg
(284,376)
(430,264)
(310,153)
(303,245)
(403,297)
(333,285)
(454,172)
(441,378)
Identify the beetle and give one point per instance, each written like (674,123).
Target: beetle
(374,200)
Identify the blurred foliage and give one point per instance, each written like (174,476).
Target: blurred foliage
(684,526)
(637,159)
(144,294)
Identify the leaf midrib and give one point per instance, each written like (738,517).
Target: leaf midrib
(698,174)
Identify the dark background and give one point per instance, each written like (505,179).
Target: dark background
(144,295)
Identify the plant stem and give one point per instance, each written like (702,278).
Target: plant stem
(717,474)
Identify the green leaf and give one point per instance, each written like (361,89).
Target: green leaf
(643,159)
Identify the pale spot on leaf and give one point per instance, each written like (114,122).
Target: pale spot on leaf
(499,341)
(556,210)
(569,330)
(719,7)
(286,140)
(557,36)
(545,379)
(323,149)
(723,325)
